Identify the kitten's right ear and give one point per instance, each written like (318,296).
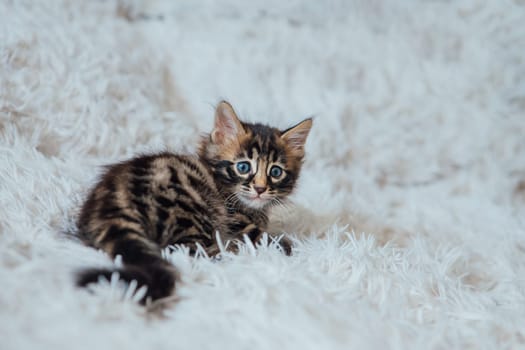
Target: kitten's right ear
(227,126)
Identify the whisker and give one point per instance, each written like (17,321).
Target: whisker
(276,202)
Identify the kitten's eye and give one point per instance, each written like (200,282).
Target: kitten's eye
(243,167)
(276,171)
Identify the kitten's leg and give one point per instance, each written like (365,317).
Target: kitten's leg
(192,237)
(286,244)
(255,234)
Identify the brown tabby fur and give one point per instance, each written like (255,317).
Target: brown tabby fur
(149,202)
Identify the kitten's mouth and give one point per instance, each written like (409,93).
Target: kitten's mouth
(254,200)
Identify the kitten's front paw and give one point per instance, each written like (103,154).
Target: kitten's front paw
(286,245)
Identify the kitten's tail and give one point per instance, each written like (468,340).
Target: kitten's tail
(142,262)
(159,278)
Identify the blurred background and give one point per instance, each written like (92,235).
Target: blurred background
(416,103)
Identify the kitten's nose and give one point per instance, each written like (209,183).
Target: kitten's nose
(259,189)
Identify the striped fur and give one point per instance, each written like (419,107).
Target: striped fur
(149,202)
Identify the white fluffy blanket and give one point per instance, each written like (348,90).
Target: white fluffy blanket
(409,217)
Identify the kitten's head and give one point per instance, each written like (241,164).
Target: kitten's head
(255,164)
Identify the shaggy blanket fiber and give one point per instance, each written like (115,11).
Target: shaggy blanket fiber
(409,216)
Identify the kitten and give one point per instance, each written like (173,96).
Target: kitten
(149,202)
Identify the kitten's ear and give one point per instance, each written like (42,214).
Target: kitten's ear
(227,126)
(295,137)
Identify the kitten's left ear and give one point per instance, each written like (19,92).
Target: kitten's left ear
(227,126)
(295,137)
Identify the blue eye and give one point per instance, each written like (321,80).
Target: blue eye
(276,171)
(243,167)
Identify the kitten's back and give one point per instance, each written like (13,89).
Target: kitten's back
(152,196)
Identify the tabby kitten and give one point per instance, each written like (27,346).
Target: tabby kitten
(149,202)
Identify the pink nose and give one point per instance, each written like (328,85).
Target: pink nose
(259,189)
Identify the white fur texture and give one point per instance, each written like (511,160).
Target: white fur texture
(410,211)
